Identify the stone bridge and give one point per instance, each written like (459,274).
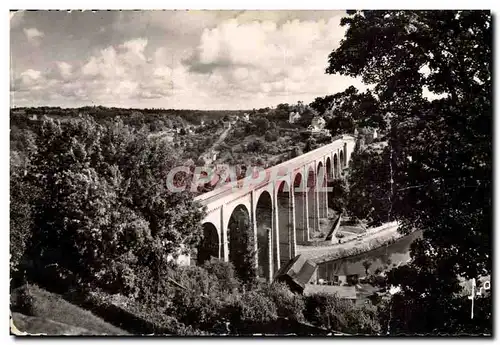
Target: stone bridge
(281,208)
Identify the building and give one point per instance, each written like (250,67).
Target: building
(317,124)
(294,117)
(246,116)
(297,273)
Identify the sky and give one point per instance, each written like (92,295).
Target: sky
(173,59)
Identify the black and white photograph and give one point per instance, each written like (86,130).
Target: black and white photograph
(250,173)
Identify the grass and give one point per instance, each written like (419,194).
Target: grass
(31,300)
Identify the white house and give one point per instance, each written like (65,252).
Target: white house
(293,117)
(318,123)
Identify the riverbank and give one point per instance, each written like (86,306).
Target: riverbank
(357,244)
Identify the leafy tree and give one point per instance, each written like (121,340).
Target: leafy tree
(338,198)
(340,124)
(262,124)
(350,109)
(440,150)
(241,247)
(271,136)
(306,117)
(105,212)
(369,181)
(258,145)
(296,151)
(282,111)
(321,104)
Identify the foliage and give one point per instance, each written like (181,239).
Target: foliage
(337,314)
(21,216)
(288,304)
(296,151)
(252,307)
(370,186)
(104,210)
(224,273)
(337,199)
(262,123)
(311,144)
(258,145)
(441,150)
(271,136)
(241,247)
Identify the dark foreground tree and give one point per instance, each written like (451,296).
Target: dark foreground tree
(105,213)
(440,150)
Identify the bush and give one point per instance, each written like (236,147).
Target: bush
(250,309)
(271,136)
(288,304)
(256,146)
(101,211)
(333,313)
(224,271)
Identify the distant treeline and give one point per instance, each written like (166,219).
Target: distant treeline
(171,117)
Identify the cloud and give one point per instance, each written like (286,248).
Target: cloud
(184,59)
(33,35)
(263,57)
(64,68)
(16,18)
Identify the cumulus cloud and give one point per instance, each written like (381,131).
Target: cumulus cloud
(33,35)
(264,57)
(224,60)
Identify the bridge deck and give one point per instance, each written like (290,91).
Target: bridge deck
(274,172)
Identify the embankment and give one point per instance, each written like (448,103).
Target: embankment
(372,239)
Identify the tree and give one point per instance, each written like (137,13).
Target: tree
(350,109)
(370,186)
(367,264)
(282,111)
(262,123)
(440,150)
(105,212)
(340,124)
(322,104)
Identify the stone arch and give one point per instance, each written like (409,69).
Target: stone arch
(321,191)
(209,245)
(264,222)
(312,206)
(285,226)
(345,155)
(241,241)
(299,193)
(335,166)
(329,172)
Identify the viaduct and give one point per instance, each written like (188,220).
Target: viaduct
(282,209)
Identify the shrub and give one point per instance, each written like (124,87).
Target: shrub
(101,212)
(271,136)
(288,304)
(250,309)
(224,271)
(197,310)
(256,146)
(329,311)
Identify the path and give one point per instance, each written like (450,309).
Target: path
(207,155)
(352,244)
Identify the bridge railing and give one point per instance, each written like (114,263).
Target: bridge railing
(278,170)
